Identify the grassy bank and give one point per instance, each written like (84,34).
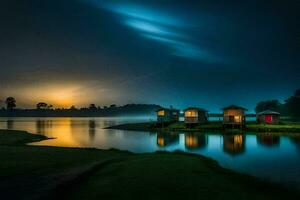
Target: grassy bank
(287,127)
(35,172)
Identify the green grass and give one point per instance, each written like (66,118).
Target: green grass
(286,127)
(171,176)
(34,172)
(18,137)
(282,127)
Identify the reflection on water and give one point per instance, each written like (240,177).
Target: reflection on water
(296,141)
(195,140)
(266,155)
(92,129)
(268,139)
(43,126)
(166,139)
(234,144)
(10,124)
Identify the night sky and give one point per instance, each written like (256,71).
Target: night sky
(182,53)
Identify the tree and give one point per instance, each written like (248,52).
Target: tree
(10,103)
(73,107)
(92,107)
(268,105)
(42,105)
(293,104)
(297,93)
(113,106)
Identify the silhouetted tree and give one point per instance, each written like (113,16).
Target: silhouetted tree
(73,107)
(92,107)
(268,105)
(1,104)
(113,106)
(41,105)
(293,104)
(10,103)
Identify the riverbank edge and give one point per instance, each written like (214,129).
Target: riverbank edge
(23,138)
(210,127)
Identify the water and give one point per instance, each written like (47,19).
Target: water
(275,158)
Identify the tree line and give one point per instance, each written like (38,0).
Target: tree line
(11,104)
(291,106)
(44,109)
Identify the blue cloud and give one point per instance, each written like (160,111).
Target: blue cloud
(146,14)
(148,27)
(163,28)
(184,49)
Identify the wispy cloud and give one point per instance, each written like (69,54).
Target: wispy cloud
(163,28)
(143,13)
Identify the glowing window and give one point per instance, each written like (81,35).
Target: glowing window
(161,113)
(191,113)
(161,141)
(237,118)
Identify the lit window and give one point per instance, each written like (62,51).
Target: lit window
(160,141)
(191,113)
(237,118)
(161,113)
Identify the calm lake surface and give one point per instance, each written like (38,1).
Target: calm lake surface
(275,158)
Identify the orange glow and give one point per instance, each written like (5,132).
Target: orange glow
(56,95)
(63,98)
(61,130)
(238,140)
(191,113)
(160,141)
(238,118)
(161,113)
(191,141)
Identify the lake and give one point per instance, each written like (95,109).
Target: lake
(275,158)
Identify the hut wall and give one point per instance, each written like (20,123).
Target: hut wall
(238,115)
(163,116)
(233,112)
(194,116)
(262,119)
(191,116)
(276,118)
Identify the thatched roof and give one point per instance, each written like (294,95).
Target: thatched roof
(195,108)
(234,107)
(168,109)
(268,112)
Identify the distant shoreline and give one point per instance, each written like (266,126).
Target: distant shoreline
(92,111)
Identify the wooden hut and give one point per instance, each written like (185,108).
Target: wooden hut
(268,117)
(167,116)
(234,116)
(195,116)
